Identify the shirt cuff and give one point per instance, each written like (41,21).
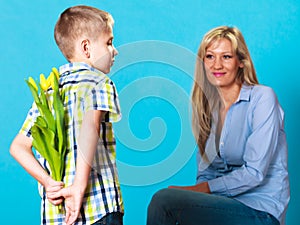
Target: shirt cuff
(217,186)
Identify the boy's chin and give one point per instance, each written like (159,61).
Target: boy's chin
(104,70)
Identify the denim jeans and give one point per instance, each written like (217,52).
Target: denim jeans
(180,207)
(115,218)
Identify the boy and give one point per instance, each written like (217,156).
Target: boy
(90,191)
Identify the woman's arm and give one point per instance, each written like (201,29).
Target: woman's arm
(201,187)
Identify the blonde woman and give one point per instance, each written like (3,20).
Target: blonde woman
(242,159)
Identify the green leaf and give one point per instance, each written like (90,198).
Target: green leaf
(48,116)
(43,142)
(41,122)
(34,92)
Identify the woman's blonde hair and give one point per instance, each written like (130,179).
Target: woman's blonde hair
(205,97)
(80,21)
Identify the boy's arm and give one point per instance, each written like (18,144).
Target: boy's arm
(21,150)
(87,144)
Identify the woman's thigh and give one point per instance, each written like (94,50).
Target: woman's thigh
(174,206)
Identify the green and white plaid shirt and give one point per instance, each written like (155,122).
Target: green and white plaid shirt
(85,89)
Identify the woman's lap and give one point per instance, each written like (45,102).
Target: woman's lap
(174,206)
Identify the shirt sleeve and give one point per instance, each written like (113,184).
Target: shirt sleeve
(32,114)
(104,97)
(266,122)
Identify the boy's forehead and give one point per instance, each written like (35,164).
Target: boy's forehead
(107,34)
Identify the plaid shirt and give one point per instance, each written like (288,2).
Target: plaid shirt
(85,89)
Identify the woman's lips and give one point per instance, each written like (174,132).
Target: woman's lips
(218,74)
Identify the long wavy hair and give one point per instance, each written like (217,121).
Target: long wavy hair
(205,97)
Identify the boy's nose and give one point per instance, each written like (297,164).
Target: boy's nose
(115,51)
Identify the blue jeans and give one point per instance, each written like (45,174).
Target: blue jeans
(115,218)
(180,207)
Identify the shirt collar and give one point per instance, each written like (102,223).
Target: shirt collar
(69,68)
(245,93)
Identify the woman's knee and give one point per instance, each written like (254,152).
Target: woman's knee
(162,199)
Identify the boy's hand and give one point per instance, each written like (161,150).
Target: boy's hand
(52,187)
(73,196)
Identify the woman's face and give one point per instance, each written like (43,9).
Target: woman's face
(221,63)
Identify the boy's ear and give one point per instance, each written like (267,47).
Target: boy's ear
(85,48)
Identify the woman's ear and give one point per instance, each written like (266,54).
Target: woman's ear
(85,48)
(241,65)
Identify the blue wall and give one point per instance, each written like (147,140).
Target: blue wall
(157,41)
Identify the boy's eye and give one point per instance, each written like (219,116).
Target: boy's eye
(110,42)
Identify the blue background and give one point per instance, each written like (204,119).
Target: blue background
(271,30)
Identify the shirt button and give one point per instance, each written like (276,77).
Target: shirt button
(222,144)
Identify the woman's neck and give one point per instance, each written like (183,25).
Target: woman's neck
(229,95)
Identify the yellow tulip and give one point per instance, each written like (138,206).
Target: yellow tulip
(32,82)
(44,82)
(50,79)
(55,71)
(48,132)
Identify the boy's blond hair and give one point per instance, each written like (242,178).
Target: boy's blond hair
(80,22)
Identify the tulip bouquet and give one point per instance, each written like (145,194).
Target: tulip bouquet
(48,131)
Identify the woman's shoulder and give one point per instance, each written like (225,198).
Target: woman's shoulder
(260,88)
(263,93)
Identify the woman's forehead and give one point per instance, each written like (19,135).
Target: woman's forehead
(220,44)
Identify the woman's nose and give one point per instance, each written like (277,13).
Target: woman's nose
(217,63)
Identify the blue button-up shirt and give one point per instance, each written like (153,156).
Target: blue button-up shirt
(250,163)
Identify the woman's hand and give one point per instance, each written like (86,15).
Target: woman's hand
(201,187)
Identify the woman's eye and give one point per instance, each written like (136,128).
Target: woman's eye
(227,56)
(209,56)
